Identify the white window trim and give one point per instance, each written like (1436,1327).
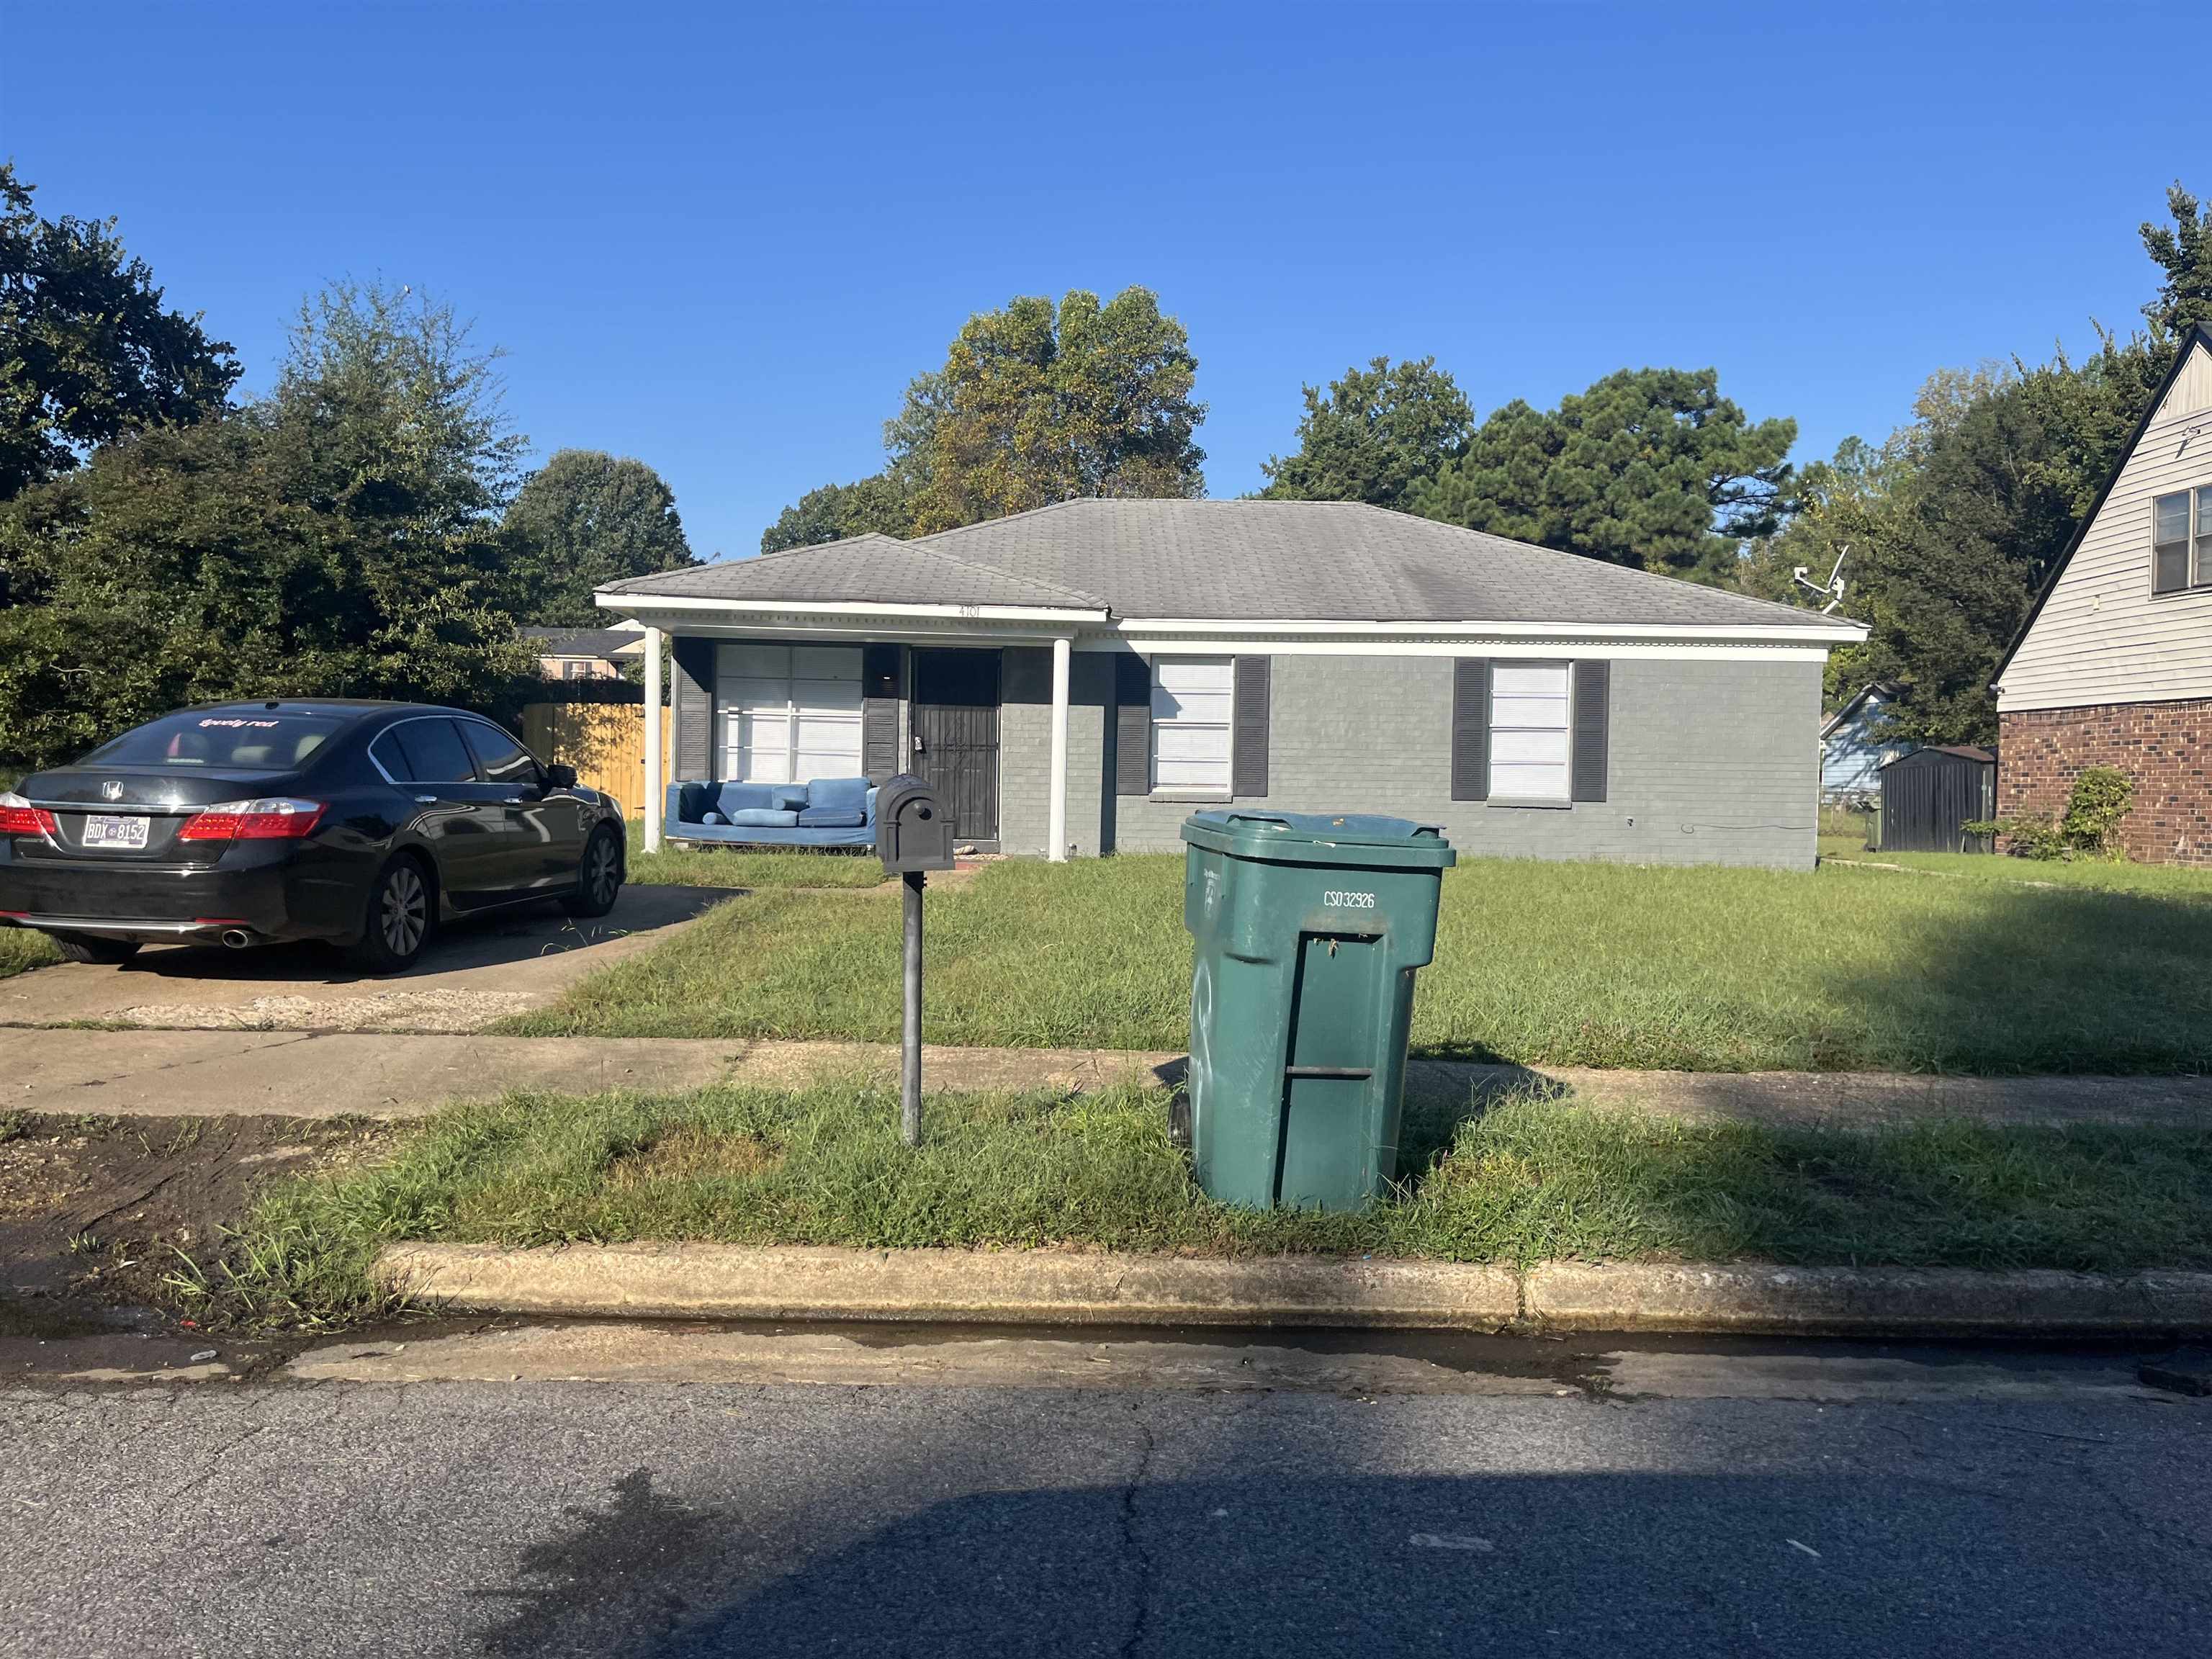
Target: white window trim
(727,714)
(1550,802)
(2200,536)
(1184,792)
(2196,540)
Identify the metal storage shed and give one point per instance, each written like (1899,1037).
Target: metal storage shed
(1930,794)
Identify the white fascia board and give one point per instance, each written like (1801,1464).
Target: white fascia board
(1832,632)
(741,609)
(1548,647)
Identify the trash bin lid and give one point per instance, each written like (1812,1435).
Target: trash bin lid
(1360,838)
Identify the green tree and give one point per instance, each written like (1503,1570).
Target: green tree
(2183,254)
(385,409)
(1649,467)
(583,518)
(1375,434)
(879,504)
(1953,525)
(340,538)
(1037,404)
(86,351)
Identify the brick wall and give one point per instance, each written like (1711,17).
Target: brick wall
(2165,747)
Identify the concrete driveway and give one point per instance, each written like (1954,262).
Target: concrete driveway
(472,974)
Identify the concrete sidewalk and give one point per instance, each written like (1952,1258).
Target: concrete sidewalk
(324,1073)
(394,1075)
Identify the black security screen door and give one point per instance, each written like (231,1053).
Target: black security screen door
(956,736)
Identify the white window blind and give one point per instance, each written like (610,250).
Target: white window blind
(1193,700)
(789,713)
(1528,741)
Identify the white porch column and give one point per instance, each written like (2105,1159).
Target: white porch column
(653,790)
(1056,816)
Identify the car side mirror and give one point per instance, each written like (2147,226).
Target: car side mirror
(560,777)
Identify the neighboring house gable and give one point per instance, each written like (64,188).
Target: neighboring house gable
(584,653)
(2125,619)
(1854,750)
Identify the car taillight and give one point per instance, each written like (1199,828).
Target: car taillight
(276,818)
(19,818)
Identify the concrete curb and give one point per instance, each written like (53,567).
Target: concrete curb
(2031,1302)
(1060,1287)
(1045,1287)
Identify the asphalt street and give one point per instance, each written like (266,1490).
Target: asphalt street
(1800,1500)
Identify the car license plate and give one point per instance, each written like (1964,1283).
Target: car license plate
(106,830)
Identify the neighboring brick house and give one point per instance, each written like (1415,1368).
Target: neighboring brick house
(584,653)
(1079,679)
(2114,665)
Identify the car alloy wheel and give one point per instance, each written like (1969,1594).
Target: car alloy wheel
(405,912)
(602,870)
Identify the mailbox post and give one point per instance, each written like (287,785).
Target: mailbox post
(913,837)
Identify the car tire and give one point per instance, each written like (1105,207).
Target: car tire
(598,875)
(403,907)
(79,947)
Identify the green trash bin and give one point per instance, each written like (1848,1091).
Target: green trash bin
(1307,928)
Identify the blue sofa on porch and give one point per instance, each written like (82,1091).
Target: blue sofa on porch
(822,812)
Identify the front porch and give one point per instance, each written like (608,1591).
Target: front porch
(979,708)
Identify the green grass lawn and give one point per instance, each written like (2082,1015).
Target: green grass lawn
(724,866)
(1528,1181)
(1586,965)
(2162,880)
(22,950)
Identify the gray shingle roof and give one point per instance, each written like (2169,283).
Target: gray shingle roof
(1232,561)
(870,569)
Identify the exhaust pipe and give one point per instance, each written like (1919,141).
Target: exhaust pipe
(237,937)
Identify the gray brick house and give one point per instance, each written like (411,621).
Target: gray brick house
(1078,679)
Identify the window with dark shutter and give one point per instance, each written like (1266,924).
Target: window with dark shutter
(1133,726)
(1470,729)
(1592,696)
(1248,764)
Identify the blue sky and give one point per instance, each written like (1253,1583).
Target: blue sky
(722,238)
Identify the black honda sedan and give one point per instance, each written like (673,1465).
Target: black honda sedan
(365,824)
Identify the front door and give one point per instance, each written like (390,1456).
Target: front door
(956,736)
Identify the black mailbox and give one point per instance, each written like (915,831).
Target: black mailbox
(913,830)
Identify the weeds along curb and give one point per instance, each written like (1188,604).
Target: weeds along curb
(1057,1287)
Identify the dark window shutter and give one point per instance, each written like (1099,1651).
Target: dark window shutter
(1470,729)
(1248,752)
(1133,726)
(880,693)
(1592,691)
(694,701)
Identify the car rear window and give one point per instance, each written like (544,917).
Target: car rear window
(387,753)
(435,752)
(220,740)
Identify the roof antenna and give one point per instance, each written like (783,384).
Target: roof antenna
(1833,589)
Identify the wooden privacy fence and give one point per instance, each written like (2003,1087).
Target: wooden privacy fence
(604,741)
